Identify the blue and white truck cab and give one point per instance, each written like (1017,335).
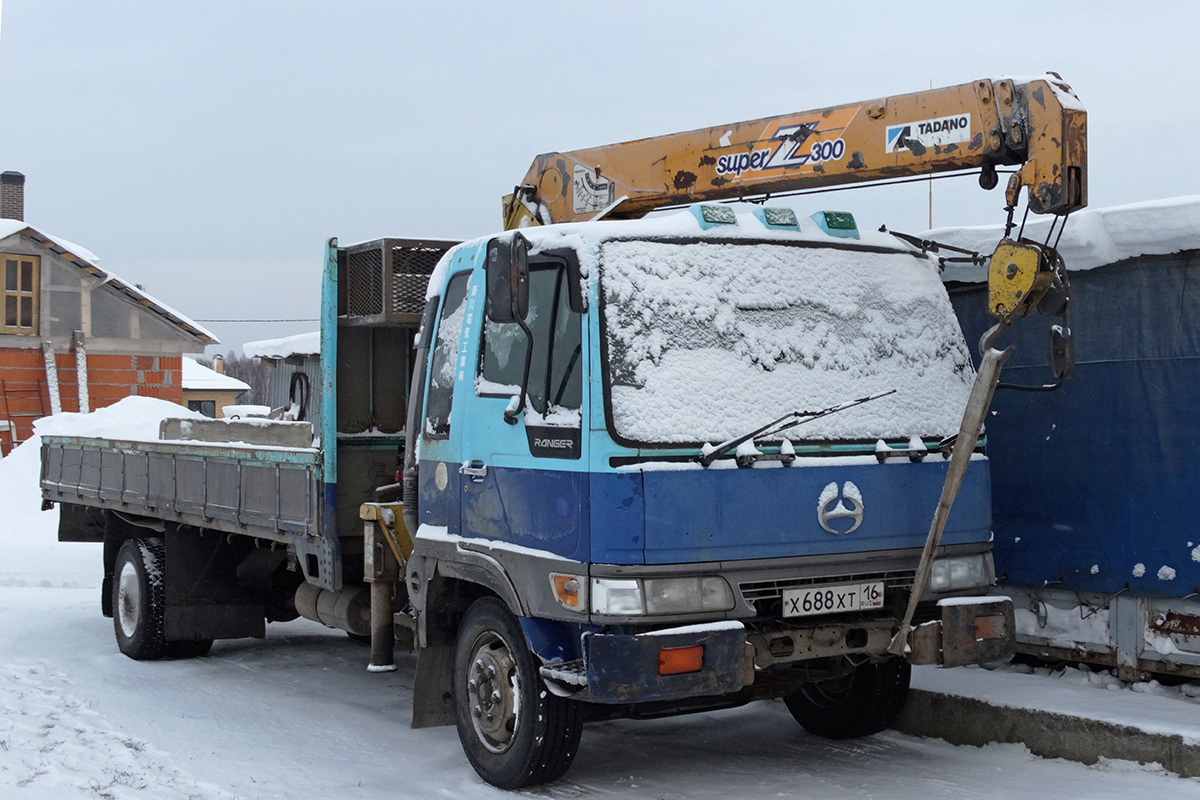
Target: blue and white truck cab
(593,515)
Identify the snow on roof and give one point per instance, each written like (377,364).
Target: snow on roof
(10,226)
(87,261)
(1093,237)
(197,377)
(302,344)
(588,236)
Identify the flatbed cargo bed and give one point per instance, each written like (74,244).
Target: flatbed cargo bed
(261,491)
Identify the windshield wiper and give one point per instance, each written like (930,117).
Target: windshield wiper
(786,422)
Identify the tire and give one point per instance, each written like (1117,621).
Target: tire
(860,704)
(139,599)
(189,649)
(514,731)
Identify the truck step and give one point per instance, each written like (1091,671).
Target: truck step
(569,672)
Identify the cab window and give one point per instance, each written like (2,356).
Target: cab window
(555,372)
(444,365)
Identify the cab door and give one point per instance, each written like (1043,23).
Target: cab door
(522,478)
(441,435)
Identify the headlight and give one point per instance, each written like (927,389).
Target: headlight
(617,596)
(660,596)
(961,572)
(685,595)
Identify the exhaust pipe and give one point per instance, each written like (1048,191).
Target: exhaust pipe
(348,609)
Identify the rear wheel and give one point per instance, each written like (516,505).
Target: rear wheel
(859,704)
(139,599)
(514,730)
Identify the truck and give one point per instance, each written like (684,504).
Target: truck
(1107,574)
(602,465)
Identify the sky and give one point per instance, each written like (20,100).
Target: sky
(208,150)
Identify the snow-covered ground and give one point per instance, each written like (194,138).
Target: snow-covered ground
(296,715)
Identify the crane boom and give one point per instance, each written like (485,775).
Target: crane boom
(1036,124)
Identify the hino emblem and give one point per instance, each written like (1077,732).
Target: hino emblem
(826,515)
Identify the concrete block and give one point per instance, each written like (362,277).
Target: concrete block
(965,720)
(267,432)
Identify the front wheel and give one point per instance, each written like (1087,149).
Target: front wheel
(514,730)
(858,704)
(139,599)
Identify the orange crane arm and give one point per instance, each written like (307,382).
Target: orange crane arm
(1037,124)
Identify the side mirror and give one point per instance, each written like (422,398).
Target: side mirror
(507,270)
(1062,353)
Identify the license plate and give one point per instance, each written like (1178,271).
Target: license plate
(832,599)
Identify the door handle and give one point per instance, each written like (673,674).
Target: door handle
(475,469)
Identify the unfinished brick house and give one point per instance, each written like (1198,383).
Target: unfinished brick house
(74,337)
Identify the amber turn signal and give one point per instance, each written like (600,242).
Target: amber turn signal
(567,589)
(678,660)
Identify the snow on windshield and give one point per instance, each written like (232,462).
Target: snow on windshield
(707,341)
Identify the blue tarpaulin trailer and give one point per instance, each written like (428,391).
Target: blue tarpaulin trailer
(1095,484)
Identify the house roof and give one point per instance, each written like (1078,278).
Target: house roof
(302,344)
(199,378)
(86,261)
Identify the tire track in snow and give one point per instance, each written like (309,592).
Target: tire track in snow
(53,745)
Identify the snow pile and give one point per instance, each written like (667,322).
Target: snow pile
(708,340)
(33,556)
(1093,237)
(244,411)
(302,344)
(1065,627)
(1103,678)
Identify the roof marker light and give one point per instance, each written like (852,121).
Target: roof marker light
(837,223)
(777,218)
(710,216)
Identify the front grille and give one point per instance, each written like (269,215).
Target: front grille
(755,591)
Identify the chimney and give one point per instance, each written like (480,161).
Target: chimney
(218,364)
(12,195)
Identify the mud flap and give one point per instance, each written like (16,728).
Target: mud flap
(433,703)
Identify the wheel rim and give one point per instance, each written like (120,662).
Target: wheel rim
(129,599)
(493,692)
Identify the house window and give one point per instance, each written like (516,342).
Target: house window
(20,293)
(206,407)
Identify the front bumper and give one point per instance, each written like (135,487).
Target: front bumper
(628,668)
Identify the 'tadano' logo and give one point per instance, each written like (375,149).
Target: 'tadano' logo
(925,133)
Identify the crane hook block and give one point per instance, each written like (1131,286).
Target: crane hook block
(1019,273)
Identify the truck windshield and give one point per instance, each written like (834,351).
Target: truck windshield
(704,339)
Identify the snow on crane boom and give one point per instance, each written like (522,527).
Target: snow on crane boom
(1037,124)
